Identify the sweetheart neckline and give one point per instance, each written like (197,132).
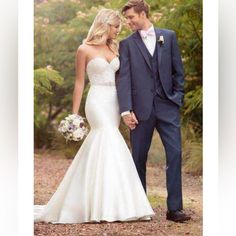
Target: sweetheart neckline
(102,59)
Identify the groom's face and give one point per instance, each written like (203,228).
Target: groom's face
(135,20)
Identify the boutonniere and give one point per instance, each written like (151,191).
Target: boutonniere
(161,40)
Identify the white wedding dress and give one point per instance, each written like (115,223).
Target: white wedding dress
(102,183)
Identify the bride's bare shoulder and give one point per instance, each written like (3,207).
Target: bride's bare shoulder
(85,47)
(82,51)
(82,48)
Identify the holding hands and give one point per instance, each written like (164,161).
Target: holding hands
(130,120)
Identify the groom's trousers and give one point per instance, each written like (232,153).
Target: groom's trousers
(165,117)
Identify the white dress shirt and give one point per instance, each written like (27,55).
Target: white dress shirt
(149,39)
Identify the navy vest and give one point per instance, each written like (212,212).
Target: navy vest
(157,83)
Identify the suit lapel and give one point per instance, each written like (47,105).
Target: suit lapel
(138,40)
(159,48)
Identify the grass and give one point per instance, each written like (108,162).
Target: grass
(156,200)
(191,148)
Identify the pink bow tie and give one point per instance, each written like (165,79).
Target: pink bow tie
(149,32)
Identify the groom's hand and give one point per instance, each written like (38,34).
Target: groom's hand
(130,121)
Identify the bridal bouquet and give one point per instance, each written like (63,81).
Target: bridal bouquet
(73,127)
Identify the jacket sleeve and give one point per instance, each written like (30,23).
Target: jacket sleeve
(177,68)
(124,79)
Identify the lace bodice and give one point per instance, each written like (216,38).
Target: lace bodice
(102,72)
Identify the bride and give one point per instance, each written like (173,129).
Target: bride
(102,183)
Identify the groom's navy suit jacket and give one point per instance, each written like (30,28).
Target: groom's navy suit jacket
(135,83)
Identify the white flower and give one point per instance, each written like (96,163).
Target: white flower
(78,133)
(161,40)
(49,67)
(64,129)
(73,127)
(77,122)
(66,124)
(60,129)
(73,116)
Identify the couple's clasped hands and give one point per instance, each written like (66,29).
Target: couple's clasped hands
(130,120)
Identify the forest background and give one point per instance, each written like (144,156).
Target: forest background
(60,27)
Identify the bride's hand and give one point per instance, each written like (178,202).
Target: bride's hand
(134,117)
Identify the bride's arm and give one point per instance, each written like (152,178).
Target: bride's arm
(79,80)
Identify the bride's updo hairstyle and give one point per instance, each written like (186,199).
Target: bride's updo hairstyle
(99,31)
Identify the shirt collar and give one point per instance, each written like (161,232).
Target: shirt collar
(151,28)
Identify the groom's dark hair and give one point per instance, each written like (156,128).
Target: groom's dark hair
(137,5)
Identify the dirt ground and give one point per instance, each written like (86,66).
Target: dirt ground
(50,169)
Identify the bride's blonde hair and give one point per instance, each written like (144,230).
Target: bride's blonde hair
(98,32)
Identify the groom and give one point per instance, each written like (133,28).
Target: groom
(150,93)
